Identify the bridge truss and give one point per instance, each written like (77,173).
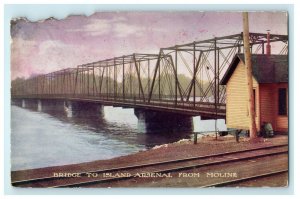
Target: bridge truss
(186,75)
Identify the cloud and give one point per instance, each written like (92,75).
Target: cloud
(55,54)
(95,27)
(22,47)
(124,30)
(22,52)
(117,27)
(49,46)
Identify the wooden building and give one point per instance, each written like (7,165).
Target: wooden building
(270,89)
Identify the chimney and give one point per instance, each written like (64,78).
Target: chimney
(268,43)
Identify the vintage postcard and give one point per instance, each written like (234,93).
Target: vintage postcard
(150,99)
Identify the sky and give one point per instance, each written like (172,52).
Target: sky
(48,45)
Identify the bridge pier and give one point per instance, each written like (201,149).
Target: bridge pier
(23,103)
(155,121)
(70,108)
(39,105)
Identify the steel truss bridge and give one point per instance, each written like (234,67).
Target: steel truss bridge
(181,79)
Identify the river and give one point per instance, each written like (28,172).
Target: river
(40,139)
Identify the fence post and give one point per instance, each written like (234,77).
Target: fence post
(195,138)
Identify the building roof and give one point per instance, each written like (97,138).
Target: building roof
(265,68)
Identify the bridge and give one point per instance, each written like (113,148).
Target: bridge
(182,79)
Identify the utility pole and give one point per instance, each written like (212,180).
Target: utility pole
(252,125)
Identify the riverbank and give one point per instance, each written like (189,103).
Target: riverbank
(182,149)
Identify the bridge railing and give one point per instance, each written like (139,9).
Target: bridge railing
(134,101)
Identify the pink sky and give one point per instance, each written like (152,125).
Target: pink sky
(43,47)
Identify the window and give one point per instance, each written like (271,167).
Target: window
(282,101)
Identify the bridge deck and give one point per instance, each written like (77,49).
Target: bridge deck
(204,109)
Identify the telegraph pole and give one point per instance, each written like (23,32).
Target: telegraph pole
(252,125)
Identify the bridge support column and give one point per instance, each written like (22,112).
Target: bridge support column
(83,109)
(155,121)
(23,103)
(39,105)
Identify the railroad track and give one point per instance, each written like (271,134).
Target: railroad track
(155,167)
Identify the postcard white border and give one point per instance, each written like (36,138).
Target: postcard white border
(35,12)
